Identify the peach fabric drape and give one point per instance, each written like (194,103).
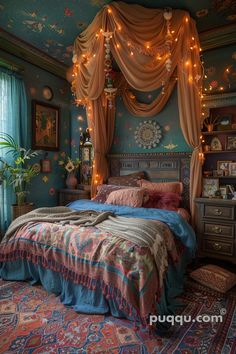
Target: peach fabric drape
(140,46)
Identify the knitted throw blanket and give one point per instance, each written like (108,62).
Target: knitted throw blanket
(60,215)
(142,232)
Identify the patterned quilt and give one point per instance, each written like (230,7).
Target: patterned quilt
(123,271)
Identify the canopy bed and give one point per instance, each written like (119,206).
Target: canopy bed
(153,48)
(128,259)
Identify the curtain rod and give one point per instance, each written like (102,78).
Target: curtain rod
(10,65)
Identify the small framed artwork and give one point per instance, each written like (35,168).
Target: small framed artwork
(231,143)
(223,191)
(45,126)
(232,169)
(223,165)
(209,187)
(216,144)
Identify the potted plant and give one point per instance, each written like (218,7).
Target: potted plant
(14,169)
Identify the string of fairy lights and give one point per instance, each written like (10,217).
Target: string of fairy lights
(161,54)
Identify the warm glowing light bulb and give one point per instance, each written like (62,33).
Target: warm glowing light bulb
(193,38)
(186,19)
(118,46)
(132,53)
(109,11)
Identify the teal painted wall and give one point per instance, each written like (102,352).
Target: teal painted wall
(44,187)
(168,119)
(126,125)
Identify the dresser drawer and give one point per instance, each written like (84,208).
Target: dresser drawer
(219,230)
(219,212)
(218,247)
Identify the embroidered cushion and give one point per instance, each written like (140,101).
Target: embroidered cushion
(214,277)
(173,187)
(132,197)
(104,190)
(162,200)
(128,180)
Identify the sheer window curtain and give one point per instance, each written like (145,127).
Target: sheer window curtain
(13,121)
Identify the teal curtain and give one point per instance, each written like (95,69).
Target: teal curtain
(13,121)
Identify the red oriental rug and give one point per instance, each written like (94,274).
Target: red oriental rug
(33,321)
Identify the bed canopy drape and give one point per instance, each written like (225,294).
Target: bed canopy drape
(152,51)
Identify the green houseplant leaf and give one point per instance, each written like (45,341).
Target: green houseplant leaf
(15,169)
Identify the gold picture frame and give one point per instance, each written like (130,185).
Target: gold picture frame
(45,126)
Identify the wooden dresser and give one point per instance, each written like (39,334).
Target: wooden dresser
(216,228)
(69,195)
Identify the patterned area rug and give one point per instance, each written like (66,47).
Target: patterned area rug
(32,321)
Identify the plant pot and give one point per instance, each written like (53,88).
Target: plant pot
(18,210)
(71,180)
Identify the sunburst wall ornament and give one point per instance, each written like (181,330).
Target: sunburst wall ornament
(148,134)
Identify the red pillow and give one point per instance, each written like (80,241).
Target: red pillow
(162,200)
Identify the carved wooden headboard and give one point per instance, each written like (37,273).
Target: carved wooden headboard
(159,167)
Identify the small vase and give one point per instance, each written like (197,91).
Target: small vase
(210,127)
(71,180)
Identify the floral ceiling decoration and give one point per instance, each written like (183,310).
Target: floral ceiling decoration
(52,26)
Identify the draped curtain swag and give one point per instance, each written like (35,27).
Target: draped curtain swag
(140,46)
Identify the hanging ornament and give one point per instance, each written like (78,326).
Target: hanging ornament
(109,90)
(168,38)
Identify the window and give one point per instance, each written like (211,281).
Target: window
(13,121)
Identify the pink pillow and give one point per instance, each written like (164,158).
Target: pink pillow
(104,190)
(132,197)
(173,187)
(161,200)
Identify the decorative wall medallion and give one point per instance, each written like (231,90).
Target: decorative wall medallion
(148,134)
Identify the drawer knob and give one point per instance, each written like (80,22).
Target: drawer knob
(218,211)
(217,229)
(217,246)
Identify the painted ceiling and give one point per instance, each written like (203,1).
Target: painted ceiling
(52,25)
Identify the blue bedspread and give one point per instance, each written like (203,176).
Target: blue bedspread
(175,221)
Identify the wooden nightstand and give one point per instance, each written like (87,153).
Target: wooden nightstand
(69,195)
(216,228)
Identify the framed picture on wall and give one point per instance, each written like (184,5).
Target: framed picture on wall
(45,126)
